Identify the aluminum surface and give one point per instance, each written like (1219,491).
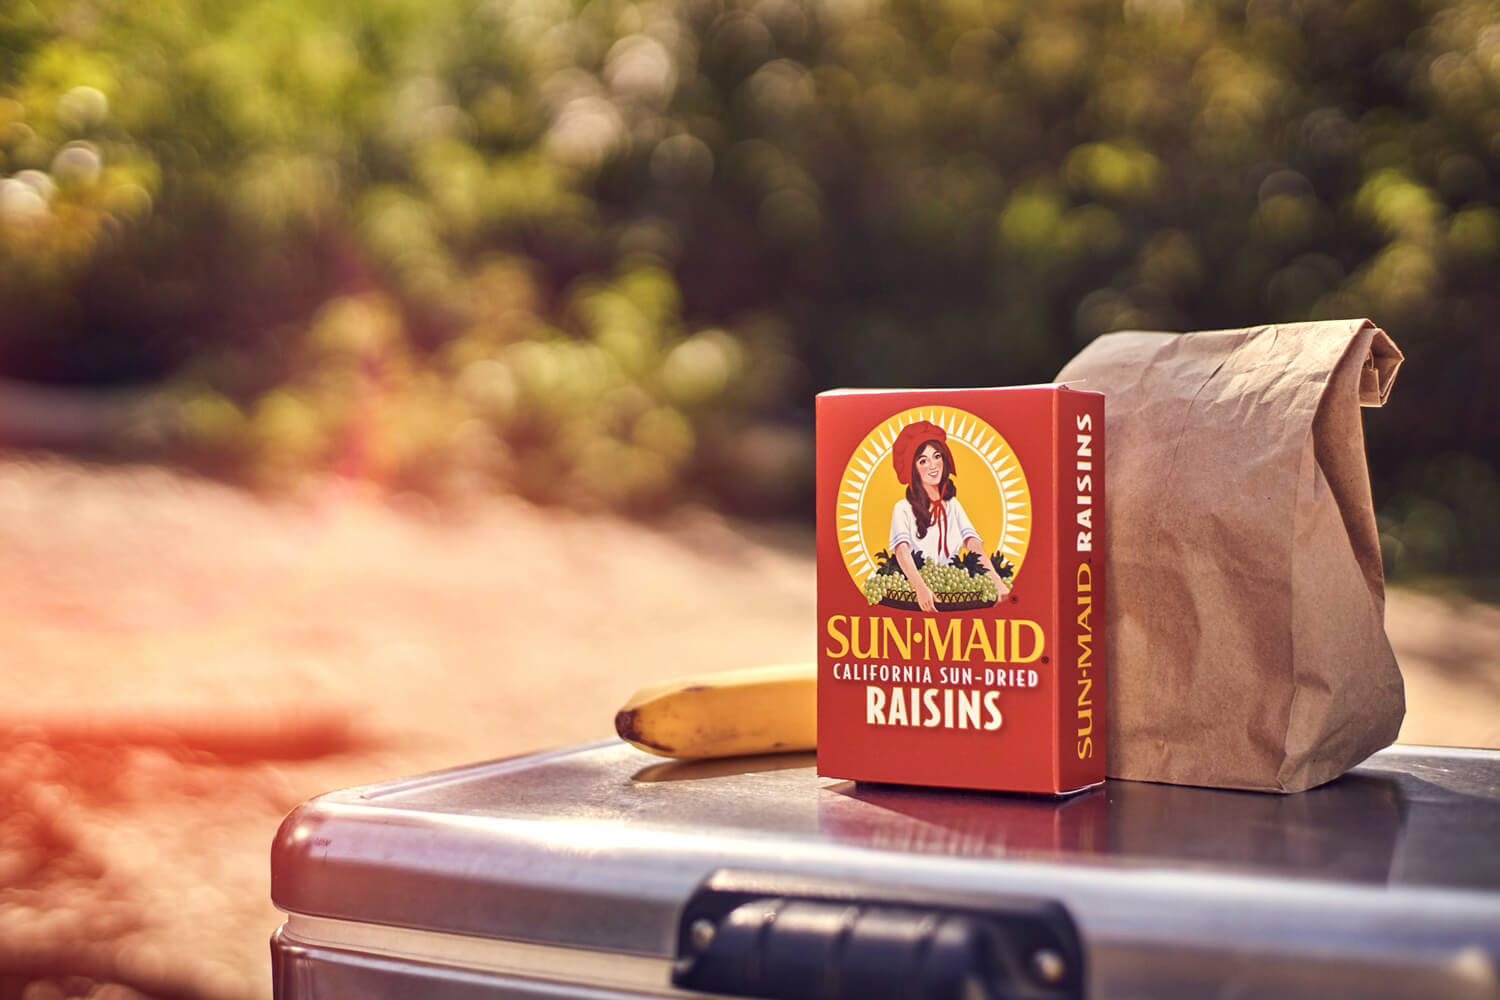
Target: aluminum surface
(1389,876)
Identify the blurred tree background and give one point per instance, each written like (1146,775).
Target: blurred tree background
(603,253)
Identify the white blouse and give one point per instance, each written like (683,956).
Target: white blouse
(957,533)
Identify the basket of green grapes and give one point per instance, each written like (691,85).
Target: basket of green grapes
(961,584)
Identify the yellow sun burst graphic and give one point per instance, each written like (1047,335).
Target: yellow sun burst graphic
(991,486)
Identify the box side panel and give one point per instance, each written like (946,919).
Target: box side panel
(1081,589)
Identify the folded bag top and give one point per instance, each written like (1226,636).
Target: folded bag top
(1246,620)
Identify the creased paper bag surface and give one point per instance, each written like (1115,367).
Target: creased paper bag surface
(1246,622)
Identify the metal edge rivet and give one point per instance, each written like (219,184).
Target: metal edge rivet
(1048,966)
(701,933)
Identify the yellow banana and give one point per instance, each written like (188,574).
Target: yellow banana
(724,714)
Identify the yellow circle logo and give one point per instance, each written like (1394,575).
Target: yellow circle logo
(989,495)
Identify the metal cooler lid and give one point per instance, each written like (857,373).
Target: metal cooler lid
(1395,866)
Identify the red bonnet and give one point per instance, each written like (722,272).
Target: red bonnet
(912,437)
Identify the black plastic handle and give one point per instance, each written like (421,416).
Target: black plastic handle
(795,938)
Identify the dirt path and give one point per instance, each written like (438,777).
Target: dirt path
(182,664)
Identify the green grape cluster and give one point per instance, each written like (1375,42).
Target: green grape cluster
(882,585)
(947,581)
(951,583)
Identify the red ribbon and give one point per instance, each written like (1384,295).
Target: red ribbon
(940,518)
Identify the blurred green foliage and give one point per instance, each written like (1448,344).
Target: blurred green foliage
(604,252)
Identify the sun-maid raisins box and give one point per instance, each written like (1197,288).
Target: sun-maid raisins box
(961,587)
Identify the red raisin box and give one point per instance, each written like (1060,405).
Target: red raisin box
(961,587)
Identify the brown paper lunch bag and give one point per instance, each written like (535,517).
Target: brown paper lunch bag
(1246,614)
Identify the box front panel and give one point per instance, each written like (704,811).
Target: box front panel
(925,677)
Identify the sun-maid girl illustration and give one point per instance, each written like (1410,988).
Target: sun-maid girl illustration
(929,519)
